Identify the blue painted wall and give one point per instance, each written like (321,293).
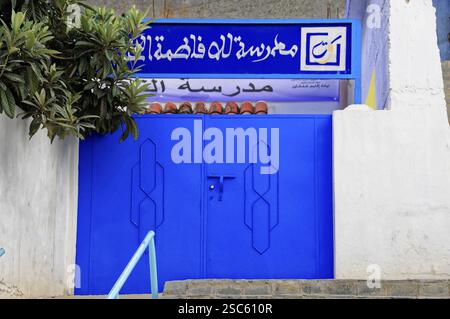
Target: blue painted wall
(374,48)
(443,27)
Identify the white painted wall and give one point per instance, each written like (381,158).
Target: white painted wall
(414,60)
(38,205)
(392,167)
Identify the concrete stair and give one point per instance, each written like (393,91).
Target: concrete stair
(304,289)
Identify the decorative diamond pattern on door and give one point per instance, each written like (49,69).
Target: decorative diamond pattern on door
(261,204)
(147,204)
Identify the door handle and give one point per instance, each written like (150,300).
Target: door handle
(221,182)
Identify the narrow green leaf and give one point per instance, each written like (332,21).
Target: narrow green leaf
(34,126)
(14,77)
(7,103)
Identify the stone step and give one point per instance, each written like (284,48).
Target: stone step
(299,289)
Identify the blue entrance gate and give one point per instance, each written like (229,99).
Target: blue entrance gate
(211,220)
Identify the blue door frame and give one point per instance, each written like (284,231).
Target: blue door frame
(265,226)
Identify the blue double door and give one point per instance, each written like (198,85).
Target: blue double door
(213,219)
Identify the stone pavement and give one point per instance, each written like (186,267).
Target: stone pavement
(293,289)
(303,289)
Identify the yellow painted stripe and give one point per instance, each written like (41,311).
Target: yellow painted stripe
(371,100)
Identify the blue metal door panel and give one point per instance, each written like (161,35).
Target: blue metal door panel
(264,226)
(273,226)
(127,189)
(324,196)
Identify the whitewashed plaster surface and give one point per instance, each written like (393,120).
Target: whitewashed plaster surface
(38,205)
(392,167)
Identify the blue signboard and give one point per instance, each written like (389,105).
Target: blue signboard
(291,49)
(251,48)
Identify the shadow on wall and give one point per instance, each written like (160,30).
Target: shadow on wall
(231,8)
(443,34)
(446,73)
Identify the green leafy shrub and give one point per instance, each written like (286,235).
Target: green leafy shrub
(71,80)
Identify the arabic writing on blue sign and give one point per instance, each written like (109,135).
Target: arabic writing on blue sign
(240,90)
(246,48)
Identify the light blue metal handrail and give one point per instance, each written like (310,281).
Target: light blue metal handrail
(149,241)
